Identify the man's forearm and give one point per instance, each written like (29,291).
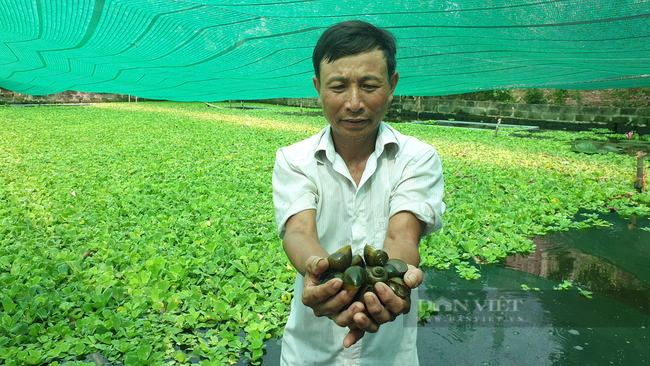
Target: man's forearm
(301,239)
(299,247)
(403,238)
(407,252)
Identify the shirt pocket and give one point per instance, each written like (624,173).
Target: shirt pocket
(380,225)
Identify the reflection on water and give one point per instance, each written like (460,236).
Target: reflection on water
(601,259)
(549,326)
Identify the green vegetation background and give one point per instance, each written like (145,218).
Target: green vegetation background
(146,232)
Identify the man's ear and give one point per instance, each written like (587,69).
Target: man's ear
(393,83)
(317,86)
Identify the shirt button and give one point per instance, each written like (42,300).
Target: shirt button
(357,214)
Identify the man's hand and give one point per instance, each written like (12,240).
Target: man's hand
(325,299)
(383,309)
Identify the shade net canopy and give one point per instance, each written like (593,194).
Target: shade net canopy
(244,50)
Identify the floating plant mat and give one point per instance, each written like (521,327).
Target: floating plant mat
(142,231)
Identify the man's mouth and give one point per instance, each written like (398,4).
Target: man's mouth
(355,120)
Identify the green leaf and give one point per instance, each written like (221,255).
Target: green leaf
(257,353)
(155,294)
(144,351)
(19,329)
(257,343)
(8,305)
(62,268)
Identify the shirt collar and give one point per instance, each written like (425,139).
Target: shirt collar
(385,137)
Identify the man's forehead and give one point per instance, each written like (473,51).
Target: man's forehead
(376,54)
(369,64)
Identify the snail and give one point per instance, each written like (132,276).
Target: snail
(374,257)
(376,274)
(354,278)
(340,260)
(362,273)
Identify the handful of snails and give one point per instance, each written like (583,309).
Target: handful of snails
(361,273)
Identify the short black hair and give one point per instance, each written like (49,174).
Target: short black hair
(351,38)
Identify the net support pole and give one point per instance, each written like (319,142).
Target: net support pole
(496,130)
(129,100)
(640,172)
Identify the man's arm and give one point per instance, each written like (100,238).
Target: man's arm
(403,238)
(303,248)
(301,240)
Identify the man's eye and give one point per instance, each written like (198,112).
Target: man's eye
(370,87)
(338,87)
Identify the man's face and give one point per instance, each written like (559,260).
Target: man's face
(354,92)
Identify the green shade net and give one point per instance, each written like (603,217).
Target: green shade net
(220,50)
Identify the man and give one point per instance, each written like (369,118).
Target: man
(357,182)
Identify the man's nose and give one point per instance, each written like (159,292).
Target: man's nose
(355,99)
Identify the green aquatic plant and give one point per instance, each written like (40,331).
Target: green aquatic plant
(426,309)
(527,288)
(585,293)
(585,147)
(566,285)
(146,232)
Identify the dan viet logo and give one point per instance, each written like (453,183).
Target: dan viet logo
(442,304)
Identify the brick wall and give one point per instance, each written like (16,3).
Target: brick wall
(9,97)
(546,116)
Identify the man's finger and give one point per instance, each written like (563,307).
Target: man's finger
(413,277)
(353,336)
(391,302)
(315,294)
(346,318)
(366,323)
(316,265)
(376,310)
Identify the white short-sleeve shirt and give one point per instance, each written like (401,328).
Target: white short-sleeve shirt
(402,174)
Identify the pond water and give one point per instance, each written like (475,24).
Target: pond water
(494,321)
(627,147)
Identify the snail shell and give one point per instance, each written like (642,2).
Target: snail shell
(354,278)
(340,260)
(396,268)
(328,275)
(357,260)
(376,274)
(399,287)
(374,257)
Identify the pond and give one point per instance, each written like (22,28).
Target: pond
(494,321)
